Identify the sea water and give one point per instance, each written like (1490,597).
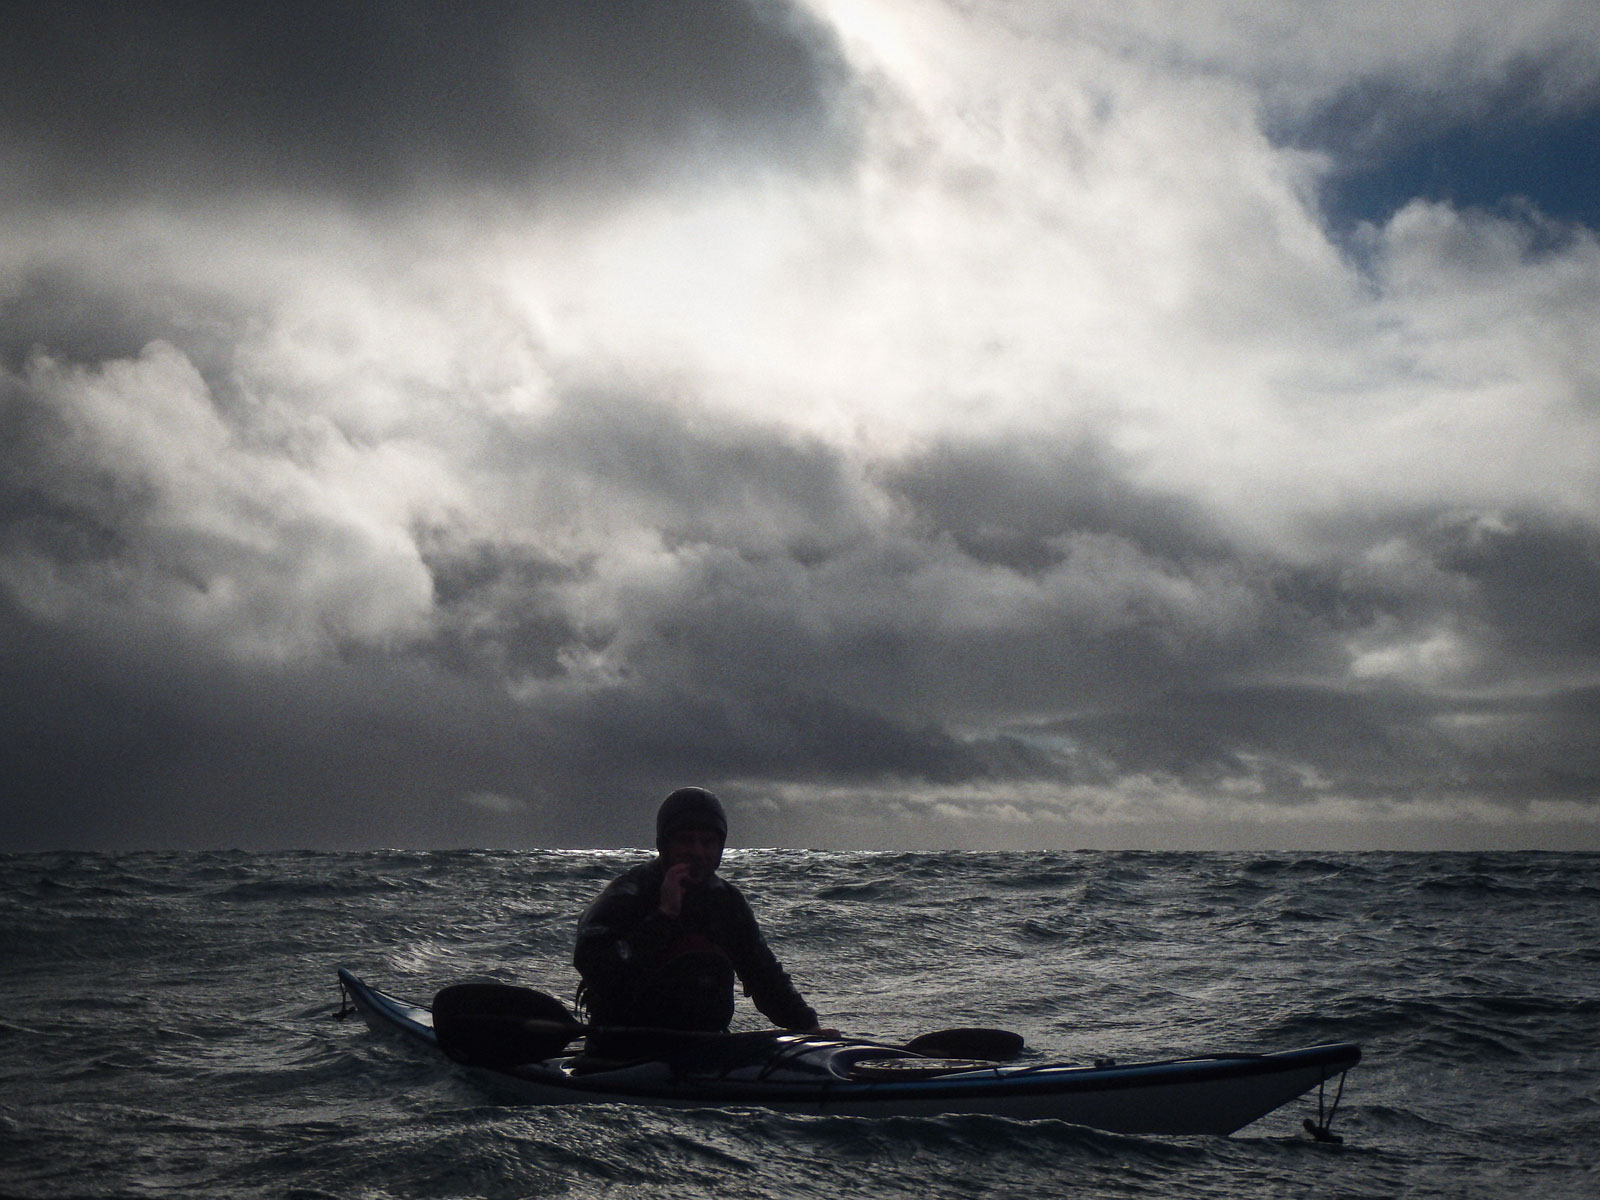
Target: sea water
(169,1022)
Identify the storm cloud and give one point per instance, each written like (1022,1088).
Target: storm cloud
(924,424)
(372,99)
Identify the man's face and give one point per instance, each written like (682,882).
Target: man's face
(698,849)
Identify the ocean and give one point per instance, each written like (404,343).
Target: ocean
(169,1025)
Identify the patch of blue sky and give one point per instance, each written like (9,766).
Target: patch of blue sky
(1551,165)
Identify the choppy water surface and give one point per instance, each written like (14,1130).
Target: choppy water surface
(169,1027)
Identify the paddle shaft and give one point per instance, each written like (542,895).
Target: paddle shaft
(993,1044)
(576,1029)
(489,1021)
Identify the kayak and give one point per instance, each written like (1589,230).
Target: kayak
(801,1073)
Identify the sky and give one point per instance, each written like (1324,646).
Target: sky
(931,424)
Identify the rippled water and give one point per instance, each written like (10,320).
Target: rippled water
(169,1027)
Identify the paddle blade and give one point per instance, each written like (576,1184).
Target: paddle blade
(994,1045)
(496,1025)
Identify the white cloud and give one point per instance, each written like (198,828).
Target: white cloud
(1301,56)
(1438,657)
(497,804)
(254,550)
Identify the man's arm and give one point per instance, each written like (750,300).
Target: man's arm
(765,981)
(620,936)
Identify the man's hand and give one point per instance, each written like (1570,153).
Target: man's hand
(673,885)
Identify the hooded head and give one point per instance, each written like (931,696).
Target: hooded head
(690,808)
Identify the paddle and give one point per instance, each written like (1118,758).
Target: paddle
(549,1038)
(491,1024)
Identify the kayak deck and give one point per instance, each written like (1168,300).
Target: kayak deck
(786,1072)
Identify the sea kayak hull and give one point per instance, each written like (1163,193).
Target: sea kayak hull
(1212,1095)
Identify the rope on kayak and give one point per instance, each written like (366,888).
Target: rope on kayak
(345,1007)
(1321,1131)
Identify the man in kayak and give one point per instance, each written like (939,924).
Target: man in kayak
(664,941)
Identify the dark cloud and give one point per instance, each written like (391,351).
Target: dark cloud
(112,743)
(1536,577)
(1294,745)
(83,320)
(701,479)
(1011,502)
(497,615)
(109,742)
(66,524)
(366,98)
(1377,113)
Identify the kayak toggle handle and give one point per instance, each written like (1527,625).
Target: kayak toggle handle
(1320,1130)
(345,1007)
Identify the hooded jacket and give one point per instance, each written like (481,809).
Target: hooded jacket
(625,941)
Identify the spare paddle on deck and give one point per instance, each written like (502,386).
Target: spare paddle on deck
(497,1025)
